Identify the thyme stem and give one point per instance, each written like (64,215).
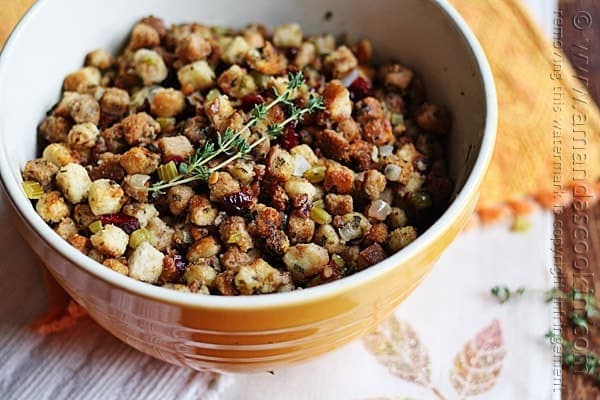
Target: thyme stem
(195,169)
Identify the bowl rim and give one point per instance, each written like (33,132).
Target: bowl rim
(22,206)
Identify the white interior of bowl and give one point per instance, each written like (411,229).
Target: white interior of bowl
(429,36)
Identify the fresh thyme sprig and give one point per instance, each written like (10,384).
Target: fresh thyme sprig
(591,307)
(574,358)
(584,314)
(233,144)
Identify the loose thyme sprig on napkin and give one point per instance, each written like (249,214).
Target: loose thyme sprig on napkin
(232,143)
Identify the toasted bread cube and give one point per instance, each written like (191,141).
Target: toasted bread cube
(193,47)
(111,241)
(236,82)
(280,164)
(399,238)
(201,274)
(326,236)
(339,204)
(105,197)
(83,136)
(374,184)
(74,182)
(305,260)
(175,147)
(233,231)
(143,212)
(58,154)
(295,187)
(167,102)
(161,233)
(223,186)
(196,76)
(339,178)
(235,51)
(337,101)
(287,35)
(116,265)
(397,76)
(218,111)
(300,229)
(66,227)
(150,66)
(136,186)
(146,263)
(82,80)
(201,212)
(139,128)
(324,44)
(40,170)
(203,248)
(341,62)
(99,58)
(143,35)
(54,128)
(306,55)
(139,160)
(258,277)
(178,198)
(52,207)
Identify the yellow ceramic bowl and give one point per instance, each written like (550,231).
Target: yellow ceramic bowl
(246,333)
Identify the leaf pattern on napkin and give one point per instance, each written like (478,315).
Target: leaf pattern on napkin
(396,345)
(477,366)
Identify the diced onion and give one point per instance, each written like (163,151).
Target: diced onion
(351,77)
(375,154)
(379,210)
(386,150)
(355,226)
(301,165)
(421,165)
(392,172)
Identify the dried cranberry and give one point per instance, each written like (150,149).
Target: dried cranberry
(125,222)
(360,88)
(302,205)
(251,100)
(173,268)
(238,203)
(180,263)
(99,148)
(291,52)
(289,138)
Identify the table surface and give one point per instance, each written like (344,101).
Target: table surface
(577,386)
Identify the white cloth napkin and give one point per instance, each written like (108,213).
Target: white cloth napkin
(451,319)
